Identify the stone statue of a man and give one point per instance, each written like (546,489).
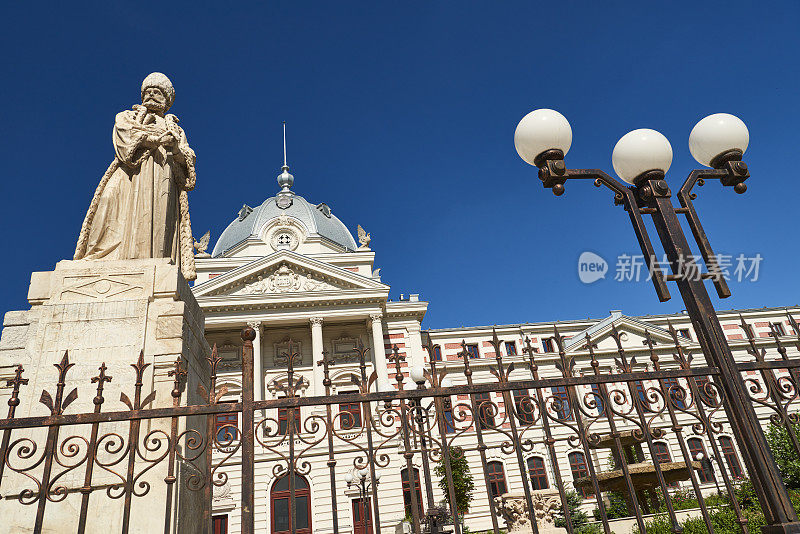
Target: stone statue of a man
(140,209)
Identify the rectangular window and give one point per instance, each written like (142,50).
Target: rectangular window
(561,403)
(226,428)
(537,473)
(684,333)
(524,406)
(675,392)
(598,398)
(705,391)
(283,421)
(731,459)
(547,344)
(778,328)
(449,423)
(473,351)
(662,456)
(220,524)
(485,417)
(497,478)
(511,348)
(698,453)
(349,413)
(408,500)
(577,464)
(437,353)
(641,395)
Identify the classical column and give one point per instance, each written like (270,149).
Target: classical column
(258,372)
(416,352)
(316,355)
(378,350)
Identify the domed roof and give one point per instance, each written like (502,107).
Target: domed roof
(316,219)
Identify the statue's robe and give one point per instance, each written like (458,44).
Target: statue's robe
(137,212)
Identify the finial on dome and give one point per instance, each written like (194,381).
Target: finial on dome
(285,179)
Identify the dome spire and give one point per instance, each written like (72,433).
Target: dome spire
(285,180)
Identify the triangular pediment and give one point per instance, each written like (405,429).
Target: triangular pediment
(631,330)
(286,272)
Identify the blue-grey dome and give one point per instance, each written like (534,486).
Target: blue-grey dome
(316,219)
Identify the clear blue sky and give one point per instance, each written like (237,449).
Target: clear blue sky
(401,117)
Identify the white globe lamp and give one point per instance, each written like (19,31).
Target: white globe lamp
(542,130)
(418,374)
(715,135)
(363,472)
(377,476)
(348,478)
(641,151)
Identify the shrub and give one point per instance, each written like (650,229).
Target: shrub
(463,485)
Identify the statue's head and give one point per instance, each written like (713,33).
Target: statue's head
(158,94)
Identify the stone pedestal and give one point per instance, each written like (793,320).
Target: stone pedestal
(104,312)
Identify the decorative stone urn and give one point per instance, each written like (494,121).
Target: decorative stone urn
(513,508)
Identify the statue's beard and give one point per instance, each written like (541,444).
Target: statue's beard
(154,106)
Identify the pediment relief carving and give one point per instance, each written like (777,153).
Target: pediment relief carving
(287,279)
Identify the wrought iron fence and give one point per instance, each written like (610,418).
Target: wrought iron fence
(598,428)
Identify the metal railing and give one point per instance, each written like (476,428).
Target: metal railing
(598,407)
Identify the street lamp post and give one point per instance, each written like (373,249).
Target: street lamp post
(364,487)
(641,158)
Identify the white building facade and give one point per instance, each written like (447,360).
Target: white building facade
(292,270)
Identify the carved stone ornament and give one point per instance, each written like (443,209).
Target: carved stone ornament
(223,492)
(284,239)
(514,510)
(285,280)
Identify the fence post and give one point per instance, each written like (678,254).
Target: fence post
(248,445)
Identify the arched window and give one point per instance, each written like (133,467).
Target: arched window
(281,509)
(496,477)
(437,353)
(698,453)
(407,491)
(734,467)
(577,463)
(537,472)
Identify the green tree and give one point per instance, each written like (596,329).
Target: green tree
(785,454)
(463,485)
(578,518)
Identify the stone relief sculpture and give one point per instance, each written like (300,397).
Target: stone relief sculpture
(284,280)
(514,510)
(140,208)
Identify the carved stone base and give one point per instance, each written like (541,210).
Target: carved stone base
(103,311)
(513,508)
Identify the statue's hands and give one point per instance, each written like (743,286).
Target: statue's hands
(165,139)
(168,139)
